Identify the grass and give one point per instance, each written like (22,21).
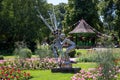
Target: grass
(47,75)
(83,51)
(9,57)
(85,65)
(12,56)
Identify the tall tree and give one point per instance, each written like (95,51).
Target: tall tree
(28,25)
(107,10)
(19,21)
(5,26)
(117,20)
(60,13)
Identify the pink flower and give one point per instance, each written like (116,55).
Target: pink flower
(2,61)
(82,79)
(82,71)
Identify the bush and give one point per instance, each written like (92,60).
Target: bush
(105,60)
(23,53)
(1,57)
(44,51)
(72,54)
(78,54)
(87,57)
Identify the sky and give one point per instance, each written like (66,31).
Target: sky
(56,2)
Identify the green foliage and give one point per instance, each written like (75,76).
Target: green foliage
(107,12)
(1,57)
(72,54)
(19,21)
(116,54)
(89,57)
(110,11)
(78,54)
(60,13)
(44,51)
(78,9)
(23,53)
(117,19)
(106,61)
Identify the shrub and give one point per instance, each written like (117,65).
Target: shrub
(1,57)
(23,53)
(87,57)
(116,53)
(72,54)
(78,54)
(44,51)
(106,60)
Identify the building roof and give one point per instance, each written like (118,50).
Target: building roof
(82,27)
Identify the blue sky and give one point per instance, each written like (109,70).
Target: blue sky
(55,2)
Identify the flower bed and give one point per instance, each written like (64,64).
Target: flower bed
(12,73)
(34,63)
(95,74)
(86,75)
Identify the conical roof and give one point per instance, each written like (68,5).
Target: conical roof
(82,27)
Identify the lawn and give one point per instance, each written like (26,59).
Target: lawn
(47,75)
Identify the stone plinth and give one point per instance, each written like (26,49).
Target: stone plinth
(66,70)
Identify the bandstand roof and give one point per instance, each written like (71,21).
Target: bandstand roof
(82,27)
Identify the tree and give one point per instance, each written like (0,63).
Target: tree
(19,21)
(107,9)
(27,24)
(117,19)
(60,13)
(86,9)
(5,26)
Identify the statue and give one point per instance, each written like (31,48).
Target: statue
(58,42)
(70,48)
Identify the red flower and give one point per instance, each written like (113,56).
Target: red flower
(12,77)
(28,74)
(8,79)
(19,71)
(17,77)
(2,72)
(6,75)
(25,74)
(11,72)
